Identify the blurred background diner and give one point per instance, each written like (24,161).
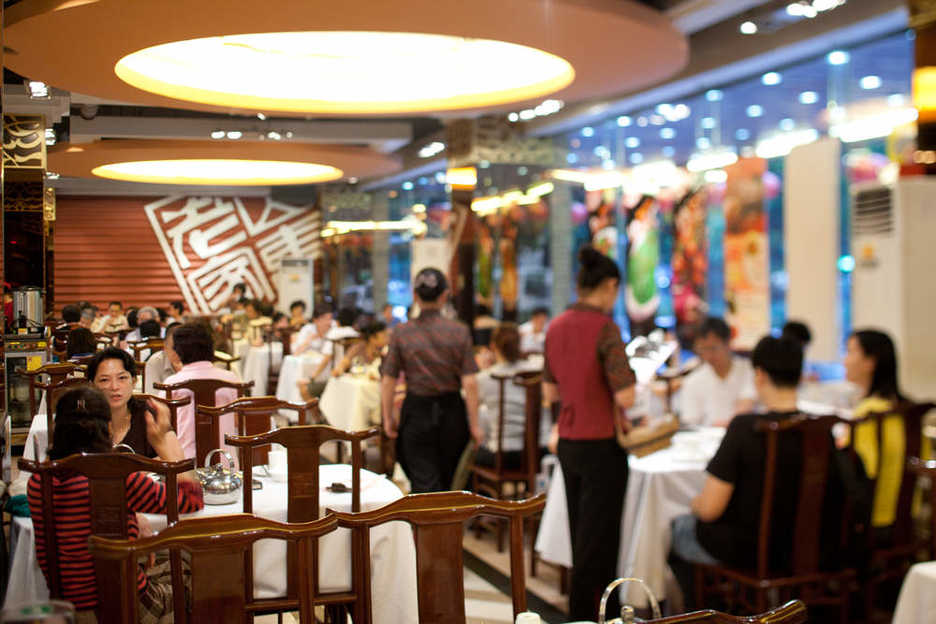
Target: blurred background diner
(649,279)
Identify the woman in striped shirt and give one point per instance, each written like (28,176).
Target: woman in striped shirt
(82,425)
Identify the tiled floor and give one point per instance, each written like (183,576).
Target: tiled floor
(484,604)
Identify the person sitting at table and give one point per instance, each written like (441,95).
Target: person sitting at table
(505,344)
(313,341)
(81,341)
(176,312)
(387,314)
(162,364)
(88,317)
(280,321)
(71,314)
(256,322)
(297,314)
(194,346)
(722,386)
(871,364)
(366,353)
(533,332)
(114,321)
(147,313)
(113,371)
(724,523)
(82,424)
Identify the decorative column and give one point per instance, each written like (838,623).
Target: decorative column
(380,253)
(923,22)
(560,246)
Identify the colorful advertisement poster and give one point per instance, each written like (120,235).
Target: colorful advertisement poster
(690,258)
(747,261)
(643,256)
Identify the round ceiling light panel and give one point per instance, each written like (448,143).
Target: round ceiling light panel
(217,164)
(295,57)
(345,72)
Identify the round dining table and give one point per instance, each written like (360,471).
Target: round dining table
(917,601)
(660,487)
(351,402)
(393,553)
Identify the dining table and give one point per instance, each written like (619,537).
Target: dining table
(256,365)
(393,552)
(351,401)
(294,368)
(917,601)
(660,487)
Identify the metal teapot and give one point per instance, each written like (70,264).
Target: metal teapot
(627,612)
(222,486)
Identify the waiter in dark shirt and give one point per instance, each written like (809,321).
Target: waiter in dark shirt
(587,371)
(435,355)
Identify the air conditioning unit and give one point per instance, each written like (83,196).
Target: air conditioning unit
(296,283)
(893,242)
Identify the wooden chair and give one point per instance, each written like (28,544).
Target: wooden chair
(204,391)
(60,381)
(252,416)
(225,359)
(221,587)
(438,525)
(891,560)
(283,336)
(928,469)
(59,341)
(303,458)
(805,578)
(793,612)
(107,477)
(153,345)
(103,341)
(491,480)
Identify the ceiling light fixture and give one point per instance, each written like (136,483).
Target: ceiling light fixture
(234,134)
(748,28)
(37,90)
(755,110)
(869,83)
(808,97)
(217,134)
(219,172)
(50,137)
(624,121)
(771,78)
(716,159)
(432,149)
(259,71)
(838,57)
(261,116)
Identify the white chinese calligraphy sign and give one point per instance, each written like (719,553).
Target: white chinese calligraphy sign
(213,243)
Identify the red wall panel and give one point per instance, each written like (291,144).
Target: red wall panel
(107,248)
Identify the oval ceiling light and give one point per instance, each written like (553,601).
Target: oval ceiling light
(219,163)
(354,72)
(218,172)
(296,58)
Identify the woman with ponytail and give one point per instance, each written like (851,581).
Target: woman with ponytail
(587,373)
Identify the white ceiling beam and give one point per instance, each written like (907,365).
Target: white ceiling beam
(695,15)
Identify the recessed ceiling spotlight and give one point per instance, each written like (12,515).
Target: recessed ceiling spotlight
(714,95)
(513,117)
(703,143)
(234,134)
(771,78)
(261,116)
(748,28)
(217,134)
(787,124)
(407,186)
(38,90)
(838,57)
(623,121)
(274,135)
(755,110)
(669,151)
(870,82)
(808,97)
(632,142)
(708,123)
(742,134)
(588,132)
(636,158)
(352,180)
(667,133)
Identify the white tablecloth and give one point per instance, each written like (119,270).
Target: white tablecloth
(659,488)
(351,402)
(294,368)
(257,367)
(917,602)
(393,553)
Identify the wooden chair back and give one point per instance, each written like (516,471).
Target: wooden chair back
(204,391)
(303,459)
(273,335)
(61,379)
(107,477)
(816,452)
(59,341)
(531,382)
(793,612)
(221,587)
(928,469)
(103,340)
(912,415)
(252,416)
(438,524)
(153,345)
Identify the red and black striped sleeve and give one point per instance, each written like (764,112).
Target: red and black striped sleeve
(144,495)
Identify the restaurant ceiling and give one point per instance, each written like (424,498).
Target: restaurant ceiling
(534,48)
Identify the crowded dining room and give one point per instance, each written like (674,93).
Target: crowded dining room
(489,312)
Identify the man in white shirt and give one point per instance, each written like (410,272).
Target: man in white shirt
(312,342)
(533,332)
(113,322)
(722,386)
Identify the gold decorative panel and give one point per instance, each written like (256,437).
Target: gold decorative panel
(24,142)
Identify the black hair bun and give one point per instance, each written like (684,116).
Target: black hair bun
(589,256)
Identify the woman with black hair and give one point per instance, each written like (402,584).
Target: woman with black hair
(368,351)
(113,372)
(587,372)
(80,342)
(82,425)
(871,364)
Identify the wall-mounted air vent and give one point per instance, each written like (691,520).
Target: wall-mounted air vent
(872,211)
